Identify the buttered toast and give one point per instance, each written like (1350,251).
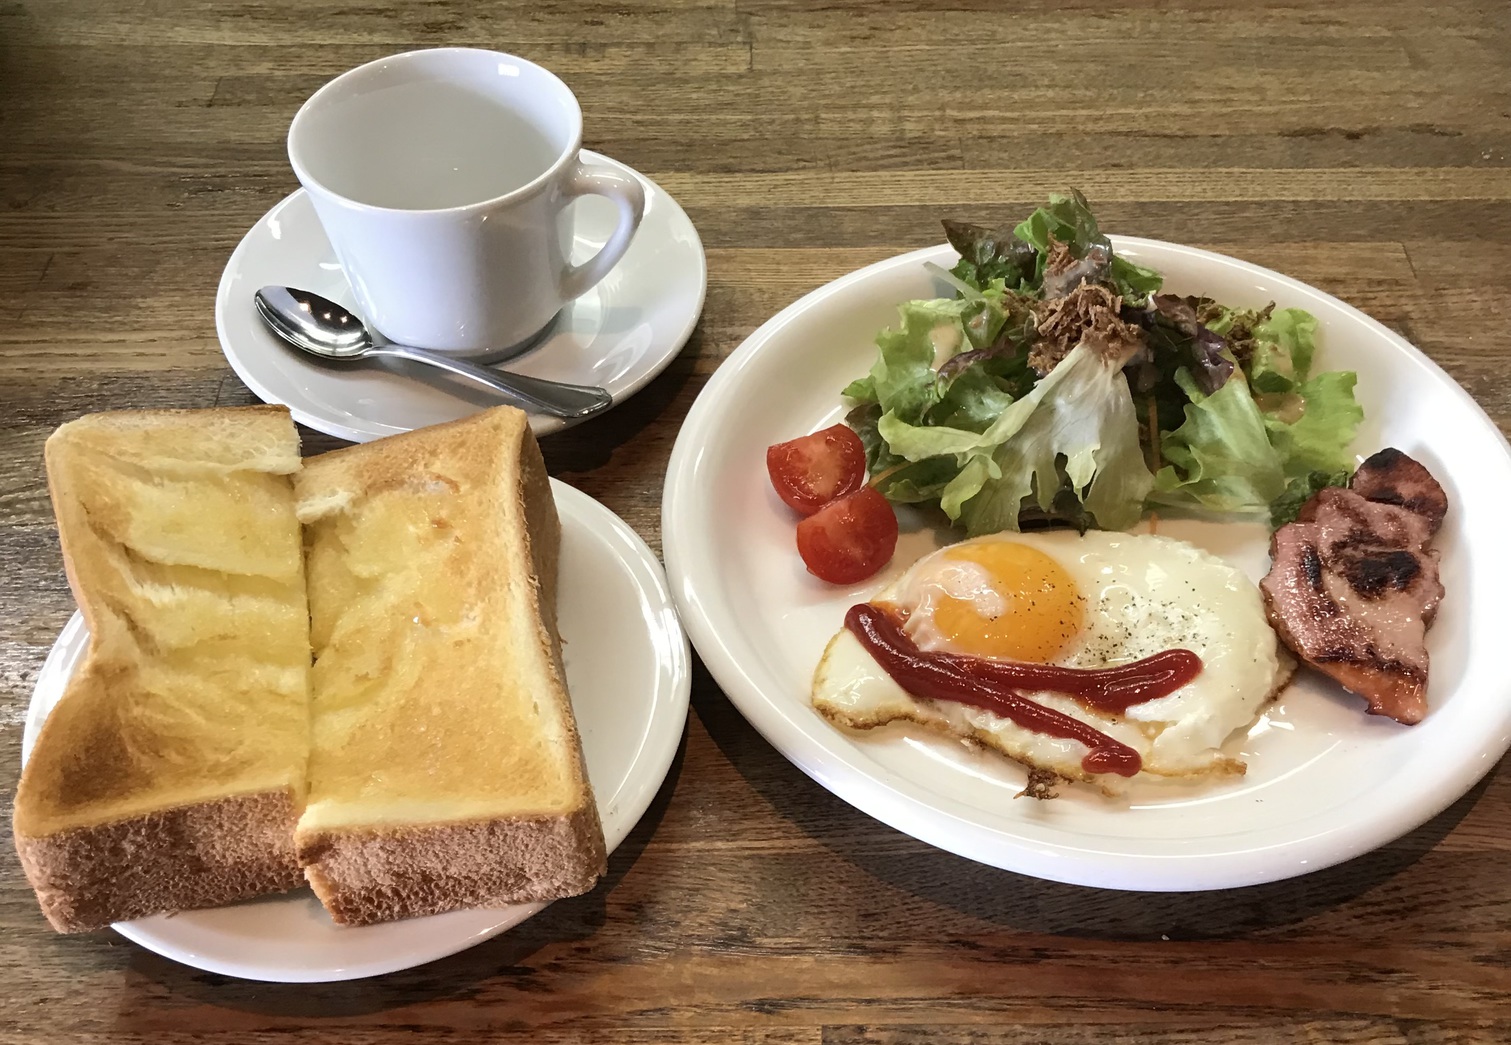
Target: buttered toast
(172,771)
(445,769)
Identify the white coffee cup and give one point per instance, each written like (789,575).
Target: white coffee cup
(442,179)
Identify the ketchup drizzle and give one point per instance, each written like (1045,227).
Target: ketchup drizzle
(1106,689)
(989,684)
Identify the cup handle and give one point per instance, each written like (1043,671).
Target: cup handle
(626,192)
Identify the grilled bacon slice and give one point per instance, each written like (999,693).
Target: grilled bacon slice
(1353,585)
(1391,477)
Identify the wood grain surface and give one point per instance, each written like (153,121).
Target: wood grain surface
(1360,145)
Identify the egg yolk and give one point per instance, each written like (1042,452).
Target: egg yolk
(1042,609)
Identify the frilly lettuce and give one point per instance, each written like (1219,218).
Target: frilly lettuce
(1077,425)
(1068,218)
(1222,399)
(1282,350)
(1261,436)
(904,379)
(1221,457)
(990,254)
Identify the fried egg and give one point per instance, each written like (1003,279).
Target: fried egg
(1092,601)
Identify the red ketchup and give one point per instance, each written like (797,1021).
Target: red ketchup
(992,685)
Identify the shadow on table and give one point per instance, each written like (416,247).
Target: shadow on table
(500,963)
(1033,905)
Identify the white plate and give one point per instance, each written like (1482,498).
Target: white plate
(619,335)
(628,671)
(1325,781)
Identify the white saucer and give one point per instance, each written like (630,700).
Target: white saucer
(628,669)
(619,335)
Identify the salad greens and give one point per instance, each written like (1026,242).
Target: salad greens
(1288,505)
(1059,384)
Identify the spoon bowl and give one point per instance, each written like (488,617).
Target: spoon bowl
(324,329)
(313,324)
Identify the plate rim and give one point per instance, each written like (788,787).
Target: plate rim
(540,424)
(887,796)
(656,755)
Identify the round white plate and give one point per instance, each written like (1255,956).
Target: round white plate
(628,671)
(1325,781)
(619,335)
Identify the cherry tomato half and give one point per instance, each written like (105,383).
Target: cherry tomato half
(810,472)
(849,539)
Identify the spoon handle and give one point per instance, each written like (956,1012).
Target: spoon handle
(532,394)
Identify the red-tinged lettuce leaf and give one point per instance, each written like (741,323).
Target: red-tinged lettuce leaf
(1006,358)
(1063,271)
(1199,348)
(1068,219)
(990,254)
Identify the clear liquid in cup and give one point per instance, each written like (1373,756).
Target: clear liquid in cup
(427,145)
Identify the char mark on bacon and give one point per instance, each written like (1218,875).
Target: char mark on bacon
(1353,585)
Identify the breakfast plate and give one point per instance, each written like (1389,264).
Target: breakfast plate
(628,671)
(618,335)
(1325,782)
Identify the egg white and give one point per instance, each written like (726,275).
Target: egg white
(1143,594)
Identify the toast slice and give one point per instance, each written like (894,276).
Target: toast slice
(445,768)
(171,773)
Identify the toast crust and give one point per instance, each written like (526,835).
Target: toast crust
(205,855)
(364,877)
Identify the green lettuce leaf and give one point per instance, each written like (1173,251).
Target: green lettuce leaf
(1220,458)
(1299,490)
(862,390)
(862,420)
(1134,282)
(952,412)
(903,379)
(1283,346)
(972,400)
(1235,324)
(1075,429)
(1244,448)
(918,482)
(1318,439)
(1068,218)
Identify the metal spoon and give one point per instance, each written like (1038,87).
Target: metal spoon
(323,328)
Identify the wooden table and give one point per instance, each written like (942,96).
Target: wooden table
(1360,146)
